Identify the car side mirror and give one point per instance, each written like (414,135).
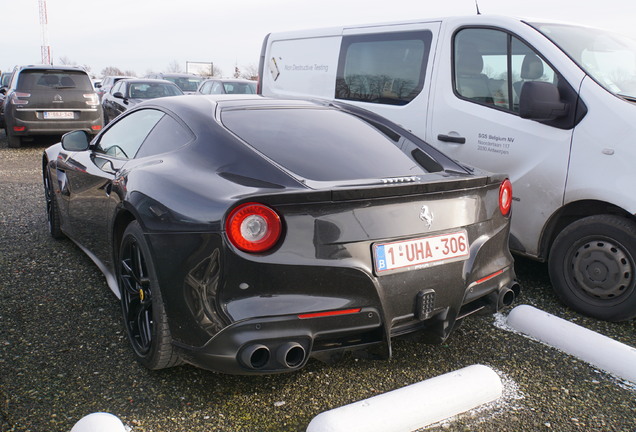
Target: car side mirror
(77,140)
(118,95)
(541,101)
(3,90)
(98,85)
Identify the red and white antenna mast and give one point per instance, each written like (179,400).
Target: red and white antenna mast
(44,22)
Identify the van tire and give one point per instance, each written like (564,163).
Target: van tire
(12,140)
(592,265)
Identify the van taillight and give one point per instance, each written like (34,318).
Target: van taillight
(505,197)
(93,99)
(16,98)
(253,227)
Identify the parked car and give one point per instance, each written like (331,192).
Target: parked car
(127,93)
(5,78)
(551,104)
(227,86)
(188,83)
(107,83)
(50,100)
(246,234)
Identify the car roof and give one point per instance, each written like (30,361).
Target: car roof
(52,67)
(147,80)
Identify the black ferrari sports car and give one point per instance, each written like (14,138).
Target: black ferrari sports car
(246,235)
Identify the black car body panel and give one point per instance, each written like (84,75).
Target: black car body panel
(319,291)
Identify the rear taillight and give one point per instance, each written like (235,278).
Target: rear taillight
(253,227)
(92,99)
(505,197)
(17,98)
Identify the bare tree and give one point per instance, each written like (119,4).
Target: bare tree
(174,67)
(250,72)
(111,70)
(66,61)
(216,71)
(130,73)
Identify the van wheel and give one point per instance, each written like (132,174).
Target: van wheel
(592,267)
(12,140)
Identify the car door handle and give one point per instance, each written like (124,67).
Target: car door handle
(452,139)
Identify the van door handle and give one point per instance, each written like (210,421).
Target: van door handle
(452,139)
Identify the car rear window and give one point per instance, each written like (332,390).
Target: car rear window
(321,144)
(54,80)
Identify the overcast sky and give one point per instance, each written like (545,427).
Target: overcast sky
(149,35)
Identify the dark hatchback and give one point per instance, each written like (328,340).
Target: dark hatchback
(246,235)
(50,100)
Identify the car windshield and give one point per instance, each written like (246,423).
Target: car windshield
(54,80)
(152,90)
(607,57)
(321,144)
(187,84)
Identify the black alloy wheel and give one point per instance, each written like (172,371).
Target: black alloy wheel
(142,306)
(592,267)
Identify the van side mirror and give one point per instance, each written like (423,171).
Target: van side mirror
(541,101)
(77,140)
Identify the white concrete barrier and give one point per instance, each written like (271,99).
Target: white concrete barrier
(415,406)
(99,422)
(601,351)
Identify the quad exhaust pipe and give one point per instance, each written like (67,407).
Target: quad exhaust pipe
(288,355)
(507,296)
(255,356)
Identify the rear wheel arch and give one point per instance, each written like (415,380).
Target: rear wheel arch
(121,222)
(569,214)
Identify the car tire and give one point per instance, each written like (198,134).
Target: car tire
(12,140)
(52,209)
(142,304)
(592,265)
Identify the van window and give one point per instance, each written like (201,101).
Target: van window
(607,57)
(54,80)
(491,66)
(385,68)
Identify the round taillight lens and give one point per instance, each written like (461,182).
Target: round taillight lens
(253,227)
(505,197)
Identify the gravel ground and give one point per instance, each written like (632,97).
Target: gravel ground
(64,354)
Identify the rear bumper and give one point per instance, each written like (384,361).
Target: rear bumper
(284,343)
(32,123)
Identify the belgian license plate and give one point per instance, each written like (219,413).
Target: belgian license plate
(58,114)
(421,252)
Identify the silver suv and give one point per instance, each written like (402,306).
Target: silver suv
(50,100)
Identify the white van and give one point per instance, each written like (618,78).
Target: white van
(552,105)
